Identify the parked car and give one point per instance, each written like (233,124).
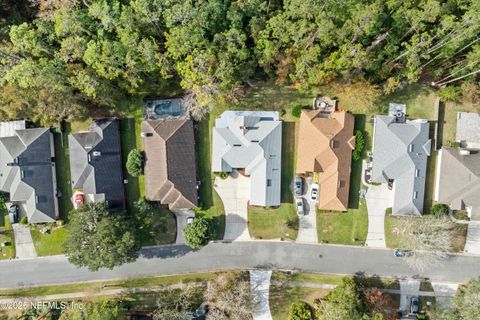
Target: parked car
(298,182)
(314,192)
(414,305)
(78,199)
(402,253)
(190,220)
(13,213)
(299,205)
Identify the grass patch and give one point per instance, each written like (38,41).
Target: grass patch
(50,243)
(62,167)
(430,181)
(273,223)
(99,285)
(282,297)
(307,277)
(348,228)
(6,236)
(164,228)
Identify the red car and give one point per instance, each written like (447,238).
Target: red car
(78,199)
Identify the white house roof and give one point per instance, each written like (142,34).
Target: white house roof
(250,140)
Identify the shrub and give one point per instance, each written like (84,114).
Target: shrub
(3,204)
(135,163)
(300,311)
(389,210)
(455,144)
(449,93)
(297,110)
(24,220)
(197,234)
(359,145)
(439,210)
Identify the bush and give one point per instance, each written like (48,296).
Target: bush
(300,311)
(135,163)
(388,211)
(359,145)
(455,144)
(24,220)
(297,110)
(439,210)
(197,234)
(449,93)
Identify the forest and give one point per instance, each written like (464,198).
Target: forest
(60,59)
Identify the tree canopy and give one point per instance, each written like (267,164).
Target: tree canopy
(100,239)
(198,233)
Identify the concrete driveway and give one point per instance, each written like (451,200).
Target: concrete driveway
(24,247)
(307,231)
(378,199)
(408,289)
(235,194)
(472,245)
(260,288)
(444,292)
(181,218)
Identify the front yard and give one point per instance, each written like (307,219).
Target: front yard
(50,243)
(163,228)
(273,223)
(6,237)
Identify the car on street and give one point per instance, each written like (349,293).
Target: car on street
(298,183)
(78,199)
(314,192)
(300,207)
(402,253)
(13,213)
(414,305)
(190,220)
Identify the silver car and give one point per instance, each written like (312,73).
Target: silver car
(299,205)
(314,192)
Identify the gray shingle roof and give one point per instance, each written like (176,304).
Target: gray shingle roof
(96,163)
(251,140)
(28,173)
(458,180)
(400,152)
(468,129)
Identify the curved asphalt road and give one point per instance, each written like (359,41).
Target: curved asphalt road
(177,259)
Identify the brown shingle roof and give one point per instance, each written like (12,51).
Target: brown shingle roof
(325,146)
(170,168)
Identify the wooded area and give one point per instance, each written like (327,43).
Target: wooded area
(63,58)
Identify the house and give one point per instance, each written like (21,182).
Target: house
(400,151)
(250,141)
(170,166)
(468,130)
(325,147)
(457,180)
(96,163)
(27,170)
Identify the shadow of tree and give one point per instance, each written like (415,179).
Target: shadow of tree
(356,169)
(288,161)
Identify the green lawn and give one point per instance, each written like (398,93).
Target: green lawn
(164,228)
(282,297)
(6,236)
(50,243)
(348,228)
(270,223)
(317,278)
(62,166)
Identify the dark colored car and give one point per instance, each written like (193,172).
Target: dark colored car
(13,213)
(298,186)
(414,305)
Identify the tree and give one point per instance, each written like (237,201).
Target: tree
(300,311)
(100,239)
(198,233)
(343,302)
(378,302)
(229,299)
(429,237)
(173,304)
(135,163)
(449,93)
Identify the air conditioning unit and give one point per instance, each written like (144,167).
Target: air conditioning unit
(97,153)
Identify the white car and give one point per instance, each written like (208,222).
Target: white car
(299,205)
(314,192)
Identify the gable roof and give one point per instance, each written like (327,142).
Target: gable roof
(458,180)
(468,129)
(325,146)
(250,140)
(400,152)
(170,167)
(28,173)
(96,163)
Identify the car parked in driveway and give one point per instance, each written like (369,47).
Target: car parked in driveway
(414,305)
(298,185)
(314,192)
(13,213)
(300,207)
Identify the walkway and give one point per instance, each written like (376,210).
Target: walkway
(378,199)
(260,287)
(408,289)
(307,231)
(181,220)
(245,255)
(24,247)
(235,194)
(472,245)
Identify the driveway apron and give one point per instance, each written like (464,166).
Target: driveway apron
(307,231)
(472,245)
(260,288)
(24,247)
(378,199)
